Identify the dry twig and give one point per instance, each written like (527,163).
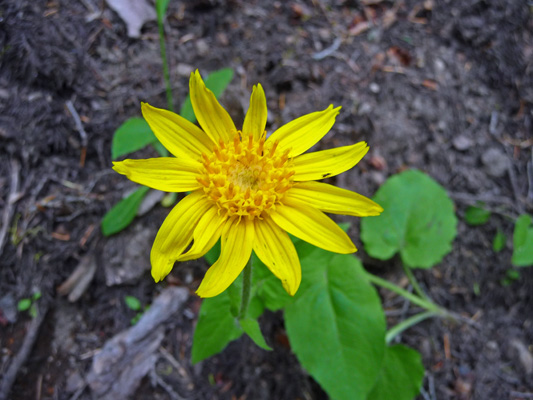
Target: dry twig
(11,199)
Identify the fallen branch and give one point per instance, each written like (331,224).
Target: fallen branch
(127,357)
(22,355)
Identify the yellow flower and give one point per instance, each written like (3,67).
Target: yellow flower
(246,189)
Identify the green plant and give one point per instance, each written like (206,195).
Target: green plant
(134,304)
(29,304)
(135,134)
(335,322)
(523,242)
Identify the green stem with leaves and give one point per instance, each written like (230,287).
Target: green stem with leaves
(166,73)
(246,289)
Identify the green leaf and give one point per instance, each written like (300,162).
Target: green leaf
(250,326)
(216,327)
(161,150)
(523,242)
(476,216)
(336,325)
(24,304)
(401,375)
(36,296)
(161,9)
(33,311)
(212,255)
(498,243)
(132,135)
(122,213)
(216,82)
(267,287)
(418,221)
(133,303)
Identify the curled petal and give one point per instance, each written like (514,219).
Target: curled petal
(313,226)
(331,199)
(256,117)
(326,163)
(181,137)
(165,173)
(206,234)
(175,234)
(304,132)
(211,116)
(275,249)
(236,249)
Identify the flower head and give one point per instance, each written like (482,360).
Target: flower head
(246,189)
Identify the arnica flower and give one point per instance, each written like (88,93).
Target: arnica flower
(246,189)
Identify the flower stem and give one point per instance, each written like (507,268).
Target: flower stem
(421,302)
(166,74)
(246,288)
(406,324)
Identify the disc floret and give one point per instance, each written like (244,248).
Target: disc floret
(245,178)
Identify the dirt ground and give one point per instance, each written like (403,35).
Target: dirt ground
(440,85)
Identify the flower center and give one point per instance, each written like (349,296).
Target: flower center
(245,178)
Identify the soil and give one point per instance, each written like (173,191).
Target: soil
(439,85)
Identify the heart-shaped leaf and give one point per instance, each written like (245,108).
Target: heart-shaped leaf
(419,221)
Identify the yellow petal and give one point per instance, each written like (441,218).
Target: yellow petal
(274,247)
(256,117)
(331,199)
(326,163)
(236,249)
(304,132)
(175,234)
(168,174)
(313,226)
(181,137)
(214,120)
(206,234)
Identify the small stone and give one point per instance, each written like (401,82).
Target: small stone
(492,350)
(524,356)
(74,382)
(377,177)
(496,162)
(183,69)
(462,143)
(8,307)
(374,87)
(202,47)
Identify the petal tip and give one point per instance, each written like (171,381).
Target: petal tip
(118,166)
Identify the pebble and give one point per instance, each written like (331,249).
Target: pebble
(495,162)
(524,356)
(374,87)
(8,306)
(462,143)
(202,47)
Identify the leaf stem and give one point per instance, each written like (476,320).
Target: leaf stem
(414,282)
(421,302)
(406,324)
(166,73)
(246,287)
